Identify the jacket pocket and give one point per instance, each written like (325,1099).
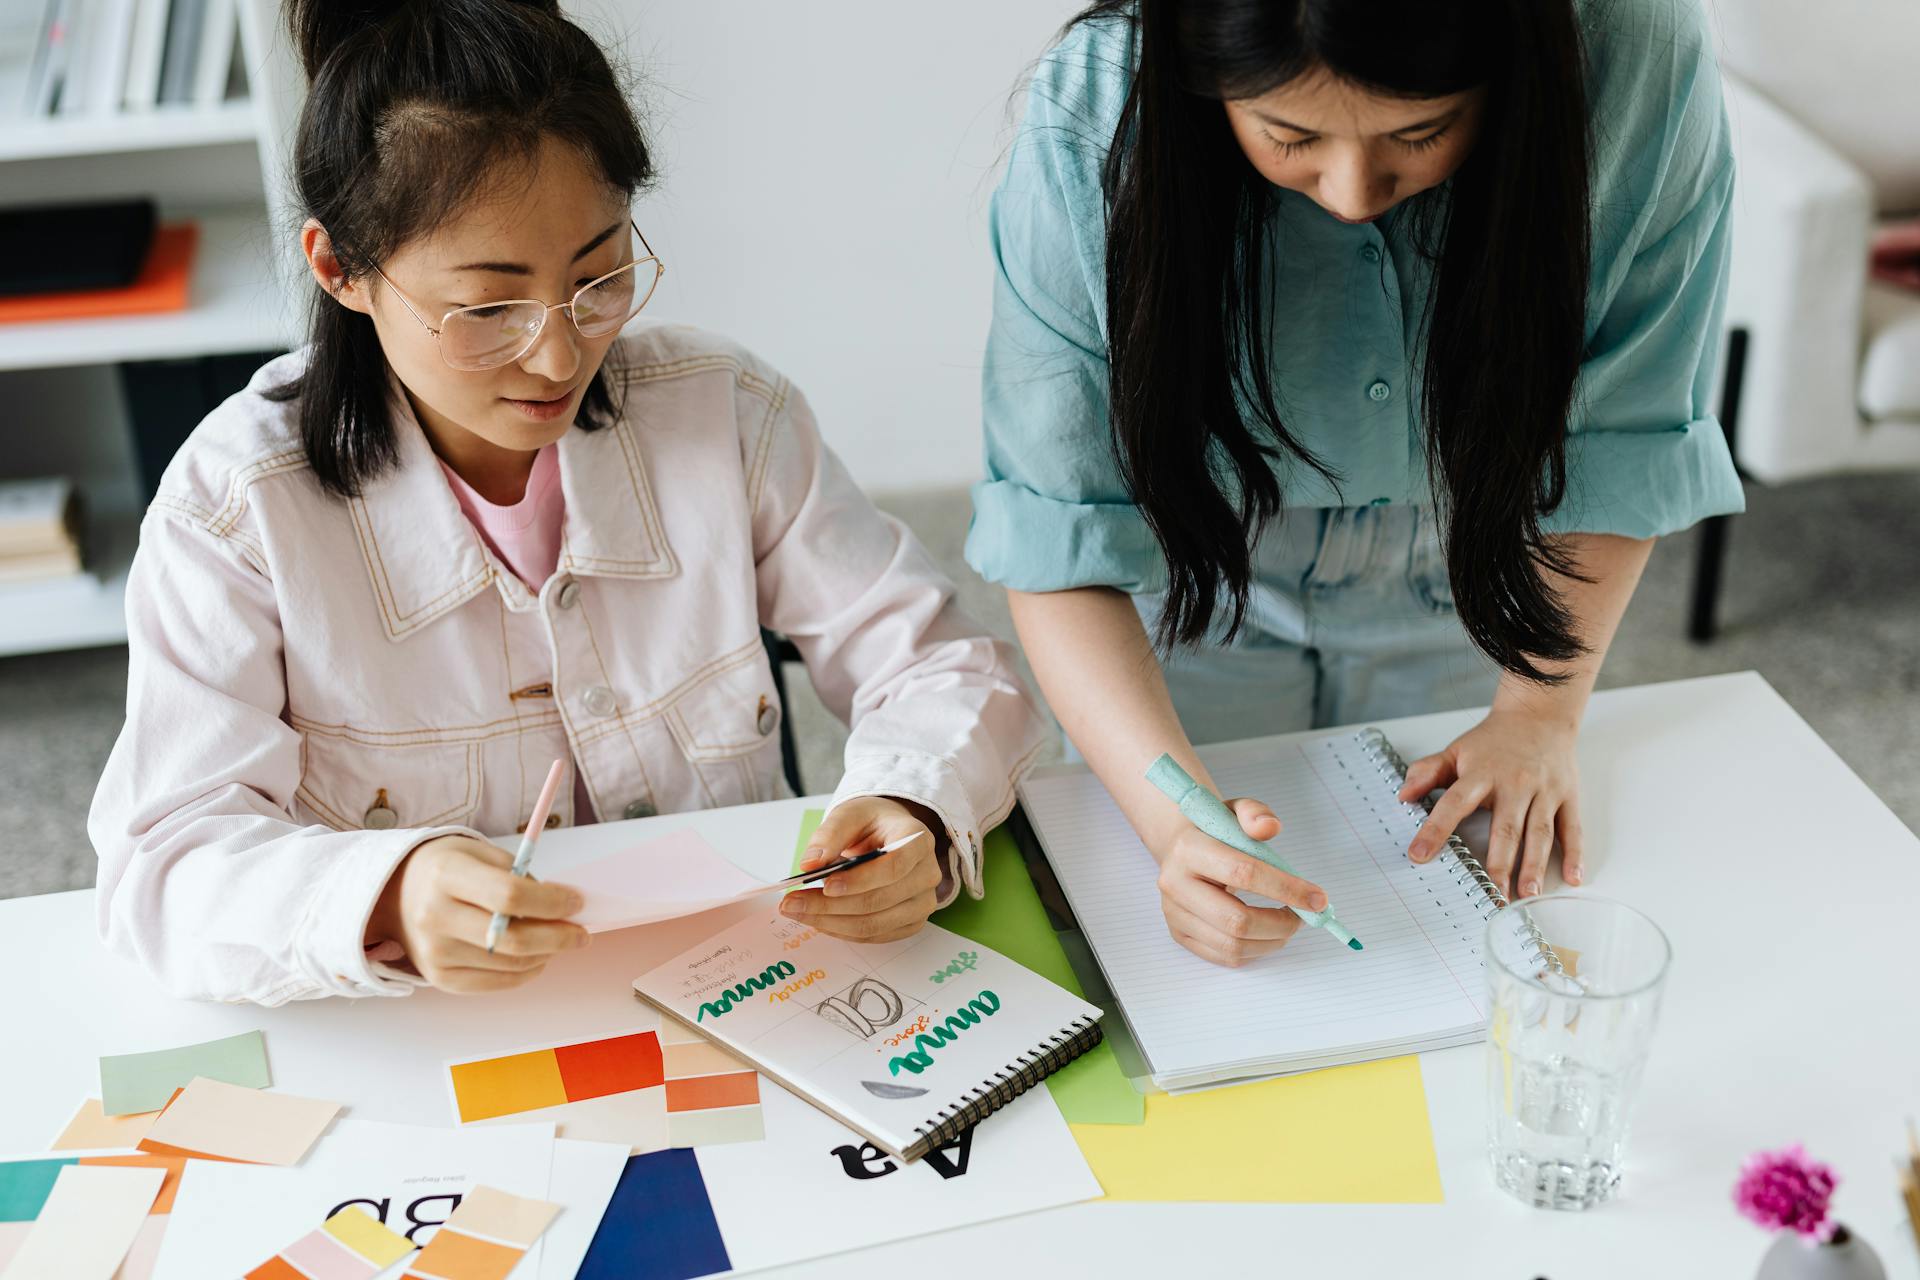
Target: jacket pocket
(354,784)
(726,725)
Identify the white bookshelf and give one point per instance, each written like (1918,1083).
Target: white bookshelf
(159,129)
(79,612)
(235,302)
(241,290)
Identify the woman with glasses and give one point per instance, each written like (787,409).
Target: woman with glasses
(470,528)
(1347,357)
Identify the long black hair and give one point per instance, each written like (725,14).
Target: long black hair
(409,105)
(1189,325)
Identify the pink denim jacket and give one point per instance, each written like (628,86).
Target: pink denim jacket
(318,685)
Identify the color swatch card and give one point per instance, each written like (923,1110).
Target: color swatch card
(892,1039)
(484,1239)
(87,1223)
(229,1217)
(351,1245)
(648,1088)
(135,1082)
(675,875)
(91,1129)
(213,1120)
(27,1182)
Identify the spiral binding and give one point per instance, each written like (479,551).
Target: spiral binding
(1022,1074)
(1393,770)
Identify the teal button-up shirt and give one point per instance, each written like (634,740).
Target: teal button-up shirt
(1645,456)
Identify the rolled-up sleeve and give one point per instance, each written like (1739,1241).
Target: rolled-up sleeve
(1053,512)
(1645,455)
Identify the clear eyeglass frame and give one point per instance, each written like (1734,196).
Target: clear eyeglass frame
(489,335)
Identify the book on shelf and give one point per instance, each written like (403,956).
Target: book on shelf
(92,58)
(39,530)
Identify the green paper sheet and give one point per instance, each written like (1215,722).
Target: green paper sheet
(1090,1090)
(135,1082)
(809,823)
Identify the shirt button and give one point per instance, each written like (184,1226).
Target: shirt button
(1370,253)
(569,595)
(1379,391)
(1381,502)
(380,818)
(599,700)
(638,809)
(767,718)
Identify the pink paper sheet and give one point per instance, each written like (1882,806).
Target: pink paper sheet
(676,875)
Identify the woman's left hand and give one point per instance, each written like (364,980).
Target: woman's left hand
(879,901)
(1520,764)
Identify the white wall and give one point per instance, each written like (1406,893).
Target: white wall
(826,170)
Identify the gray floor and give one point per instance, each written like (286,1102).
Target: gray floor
(1823,598)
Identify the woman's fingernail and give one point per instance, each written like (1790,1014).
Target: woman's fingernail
(1573,875)
(1530,888)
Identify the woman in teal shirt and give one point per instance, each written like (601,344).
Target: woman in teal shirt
(1359,349)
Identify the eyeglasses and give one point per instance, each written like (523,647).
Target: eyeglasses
(497,333)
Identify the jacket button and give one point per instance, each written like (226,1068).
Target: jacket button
(767,718)
(380,818)
(599,700)
(1379,391)
(568,595)
(637,809)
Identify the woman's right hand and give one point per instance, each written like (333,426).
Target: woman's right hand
(440,899)
(1198,880)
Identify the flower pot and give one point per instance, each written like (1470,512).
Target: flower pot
(1845,1257)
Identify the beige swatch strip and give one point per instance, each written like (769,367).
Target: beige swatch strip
(214,1119)
(87,1224)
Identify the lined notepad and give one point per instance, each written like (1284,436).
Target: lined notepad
(1419,984)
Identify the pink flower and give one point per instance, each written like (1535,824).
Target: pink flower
(1784,1190)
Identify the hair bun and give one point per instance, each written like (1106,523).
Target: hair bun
(319,27)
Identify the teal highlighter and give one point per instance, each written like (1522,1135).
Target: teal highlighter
(1209,812)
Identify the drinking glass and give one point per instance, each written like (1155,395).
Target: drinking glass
(1576,984)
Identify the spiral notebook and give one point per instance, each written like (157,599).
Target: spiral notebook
(907,1043)
(1419,984)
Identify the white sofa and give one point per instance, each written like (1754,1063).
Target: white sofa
(1823,366)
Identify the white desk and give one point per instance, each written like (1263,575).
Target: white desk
(1789,890)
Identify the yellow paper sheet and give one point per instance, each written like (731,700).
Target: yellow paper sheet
(1346,1135)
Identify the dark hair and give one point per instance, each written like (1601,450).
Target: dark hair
(1189,326)
(410,103)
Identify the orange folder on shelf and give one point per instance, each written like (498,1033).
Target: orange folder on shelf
(160,286)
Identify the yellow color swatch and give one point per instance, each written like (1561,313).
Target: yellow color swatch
(1346,1135)
(361,1232)
(502,1086)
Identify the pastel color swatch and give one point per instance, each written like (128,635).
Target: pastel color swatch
(351,1245)
(712,1096)
(484,1238)
(86,1223)
(135,1082)
(213,1120)
(25,1184)
(659,1223)
(92,1129)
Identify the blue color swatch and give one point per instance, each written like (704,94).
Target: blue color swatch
(659,1224)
